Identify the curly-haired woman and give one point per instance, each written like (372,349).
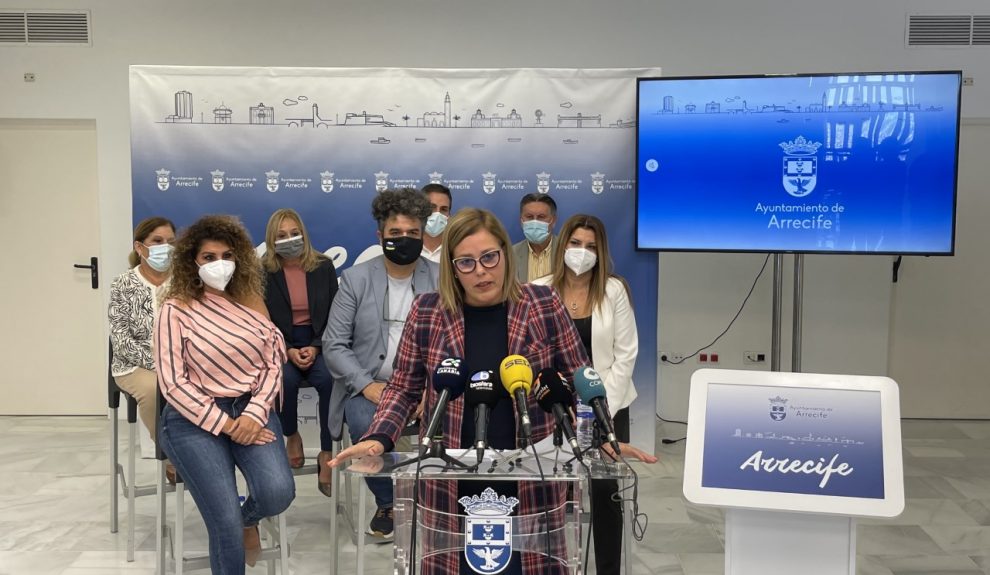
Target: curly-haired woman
(220,364)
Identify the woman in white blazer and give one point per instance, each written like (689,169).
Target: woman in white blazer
(599,304)
(599,298)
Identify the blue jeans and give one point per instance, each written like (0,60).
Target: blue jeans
(206,464)
(317,376)
(358,413)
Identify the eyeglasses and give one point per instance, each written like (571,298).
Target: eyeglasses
(487,260)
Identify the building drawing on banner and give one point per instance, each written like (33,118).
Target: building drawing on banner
(222,114)
(579,121)
(262,114)
(365,119)
(183,108)
(480,120)
(314,120)
(437,119)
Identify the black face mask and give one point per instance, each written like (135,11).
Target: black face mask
(402,250)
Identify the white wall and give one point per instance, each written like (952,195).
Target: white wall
(848,300)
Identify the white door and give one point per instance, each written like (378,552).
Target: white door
(52,336)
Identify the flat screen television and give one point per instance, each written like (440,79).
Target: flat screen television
(862,163)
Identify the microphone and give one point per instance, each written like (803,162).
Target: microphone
(517,379)
(481,394)
(591,389)
(554,396)
(448,379)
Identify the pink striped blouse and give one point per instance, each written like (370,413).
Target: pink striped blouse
(217,348)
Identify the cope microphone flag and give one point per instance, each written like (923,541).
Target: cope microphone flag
(517,379)
(555,397)
(591,389)
(448,380)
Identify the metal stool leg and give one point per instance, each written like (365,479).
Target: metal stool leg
(180,518)
(132,448)
(160,528)
(283,544)
(114,479)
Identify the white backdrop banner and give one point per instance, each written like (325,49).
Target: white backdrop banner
(323,141)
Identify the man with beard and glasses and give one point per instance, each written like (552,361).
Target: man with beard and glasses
(366,322)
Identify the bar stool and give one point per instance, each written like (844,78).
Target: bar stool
(117,474)
(169,553)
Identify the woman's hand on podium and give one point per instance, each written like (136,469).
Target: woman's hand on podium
(367,447)
(630,451)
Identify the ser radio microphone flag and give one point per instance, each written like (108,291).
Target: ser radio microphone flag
(591,389)
(448,380)
(555,397)
(517,379)
(482,394)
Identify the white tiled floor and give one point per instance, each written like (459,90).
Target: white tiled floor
(54,509)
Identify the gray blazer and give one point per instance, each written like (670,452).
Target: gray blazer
(520,251)
(355,340)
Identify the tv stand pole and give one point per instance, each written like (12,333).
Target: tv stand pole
(778,289)
(797,311)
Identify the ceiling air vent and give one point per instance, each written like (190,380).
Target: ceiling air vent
(44,27)
(939,29)
(981,30)
(12,28)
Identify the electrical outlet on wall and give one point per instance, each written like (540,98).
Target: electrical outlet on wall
(671,357)
(754,357)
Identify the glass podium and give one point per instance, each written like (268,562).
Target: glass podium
(477,528)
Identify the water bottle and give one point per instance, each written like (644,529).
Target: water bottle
(585,425)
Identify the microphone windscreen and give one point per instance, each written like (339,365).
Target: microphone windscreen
(516,373)
(483,389)
(549,390)
(588,384)
(451,375)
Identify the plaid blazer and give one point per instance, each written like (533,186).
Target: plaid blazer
(540,330)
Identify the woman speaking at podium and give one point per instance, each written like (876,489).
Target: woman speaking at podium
(481,314)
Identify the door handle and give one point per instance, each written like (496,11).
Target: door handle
(94,271)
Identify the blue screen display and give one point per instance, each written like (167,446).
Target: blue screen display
(813,163)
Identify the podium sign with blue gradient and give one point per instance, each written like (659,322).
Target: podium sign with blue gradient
(794,442)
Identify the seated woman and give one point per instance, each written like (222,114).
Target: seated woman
(220,369)
(300,286)
(599,304)
(132,311)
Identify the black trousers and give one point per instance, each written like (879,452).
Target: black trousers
(607,526)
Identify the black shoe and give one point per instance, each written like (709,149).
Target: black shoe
(381,523)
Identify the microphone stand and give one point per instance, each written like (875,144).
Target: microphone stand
(438,451)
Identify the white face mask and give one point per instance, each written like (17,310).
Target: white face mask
(217,274)
(435,224)
(580,260)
